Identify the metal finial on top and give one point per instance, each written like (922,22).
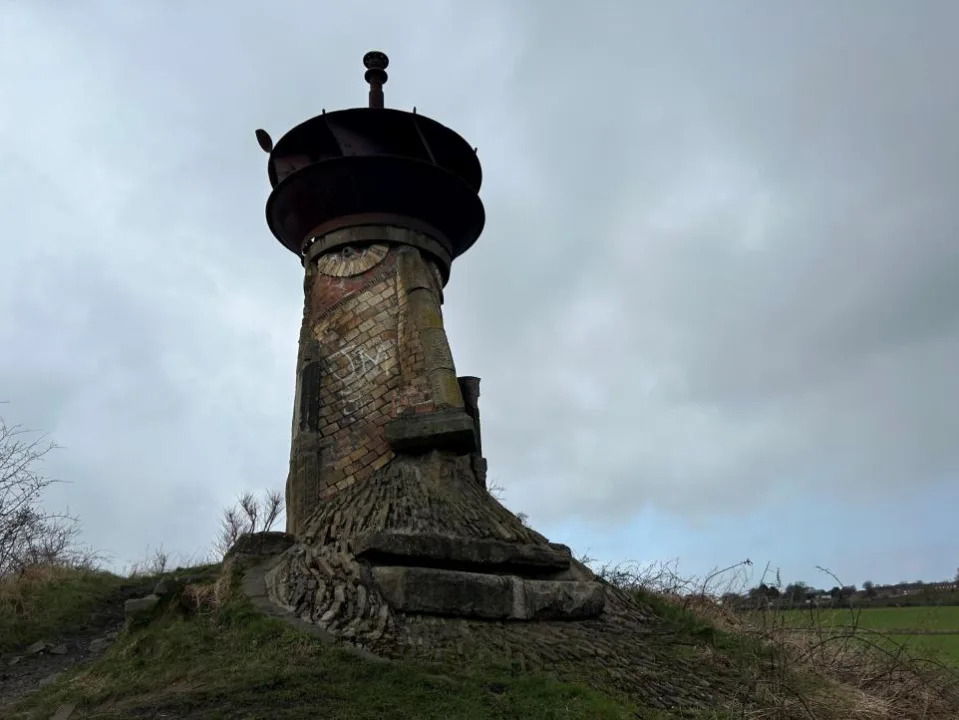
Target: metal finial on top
(376,64)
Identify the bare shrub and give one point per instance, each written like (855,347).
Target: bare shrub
(30,535)
(818,670)
(663,578)
(495,489)
(886,680)
(498,493)
(154,562)
(249,515)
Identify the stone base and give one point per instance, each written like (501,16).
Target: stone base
(451,430)
(456,593)
(422,562)
(448,575)
(454,552)
(424,538)
(261,544)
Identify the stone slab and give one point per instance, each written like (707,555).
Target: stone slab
(446,592)
(439,430)
(261,544)
(556,600)
(432,591)
(139,611)
(428,548)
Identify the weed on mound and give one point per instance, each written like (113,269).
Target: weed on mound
(208,654)
(205,652)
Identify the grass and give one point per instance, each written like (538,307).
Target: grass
(818,672)
(895,675)
(208,654)
(224,660)
(914,628)
(771,680)
(913,619)
(944,648)
(45,601)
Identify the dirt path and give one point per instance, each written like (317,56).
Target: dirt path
(41,663)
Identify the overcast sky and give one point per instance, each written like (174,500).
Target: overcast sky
(715,307)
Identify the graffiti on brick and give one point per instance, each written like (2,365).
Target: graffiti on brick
(357,370)
(355,363)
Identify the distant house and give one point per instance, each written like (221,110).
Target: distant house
(914,588)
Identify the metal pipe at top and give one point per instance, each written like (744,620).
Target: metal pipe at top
(376,64)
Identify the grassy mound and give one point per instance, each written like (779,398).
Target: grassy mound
(47,601)
(206,653)
(209,654)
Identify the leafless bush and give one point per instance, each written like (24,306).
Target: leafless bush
(495,489)
(663,578)
(29,535)
(818,670)
(249,515)
(498,493)
(154,562)
(880,678)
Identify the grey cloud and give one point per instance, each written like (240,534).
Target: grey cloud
(764,204)
(717,265)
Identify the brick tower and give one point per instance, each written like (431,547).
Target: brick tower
(376,203)
(394,545)
(392,537)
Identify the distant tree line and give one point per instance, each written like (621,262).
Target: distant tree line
(800,594)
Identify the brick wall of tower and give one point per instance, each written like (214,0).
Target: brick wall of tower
(361,364)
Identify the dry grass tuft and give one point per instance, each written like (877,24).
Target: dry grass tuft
(16,589)
(40,601)
(880,678)
(206,598)
(817,673)
(224,583)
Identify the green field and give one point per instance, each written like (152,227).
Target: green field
(909,619)
(944,648)
(929,632)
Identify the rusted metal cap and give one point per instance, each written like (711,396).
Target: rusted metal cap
(370,166)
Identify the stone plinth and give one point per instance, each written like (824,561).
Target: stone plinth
(421,562)
(422,538)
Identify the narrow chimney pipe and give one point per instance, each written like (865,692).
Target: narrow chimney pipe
(376,64)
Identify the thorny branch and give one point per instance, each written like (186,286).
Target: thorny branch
(29,535)
(249,515)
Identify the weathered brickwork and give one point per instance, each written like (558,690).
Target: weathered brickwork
(362,362)
(625,650)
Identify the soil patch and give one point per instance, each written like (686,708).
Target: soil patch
(41,662)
